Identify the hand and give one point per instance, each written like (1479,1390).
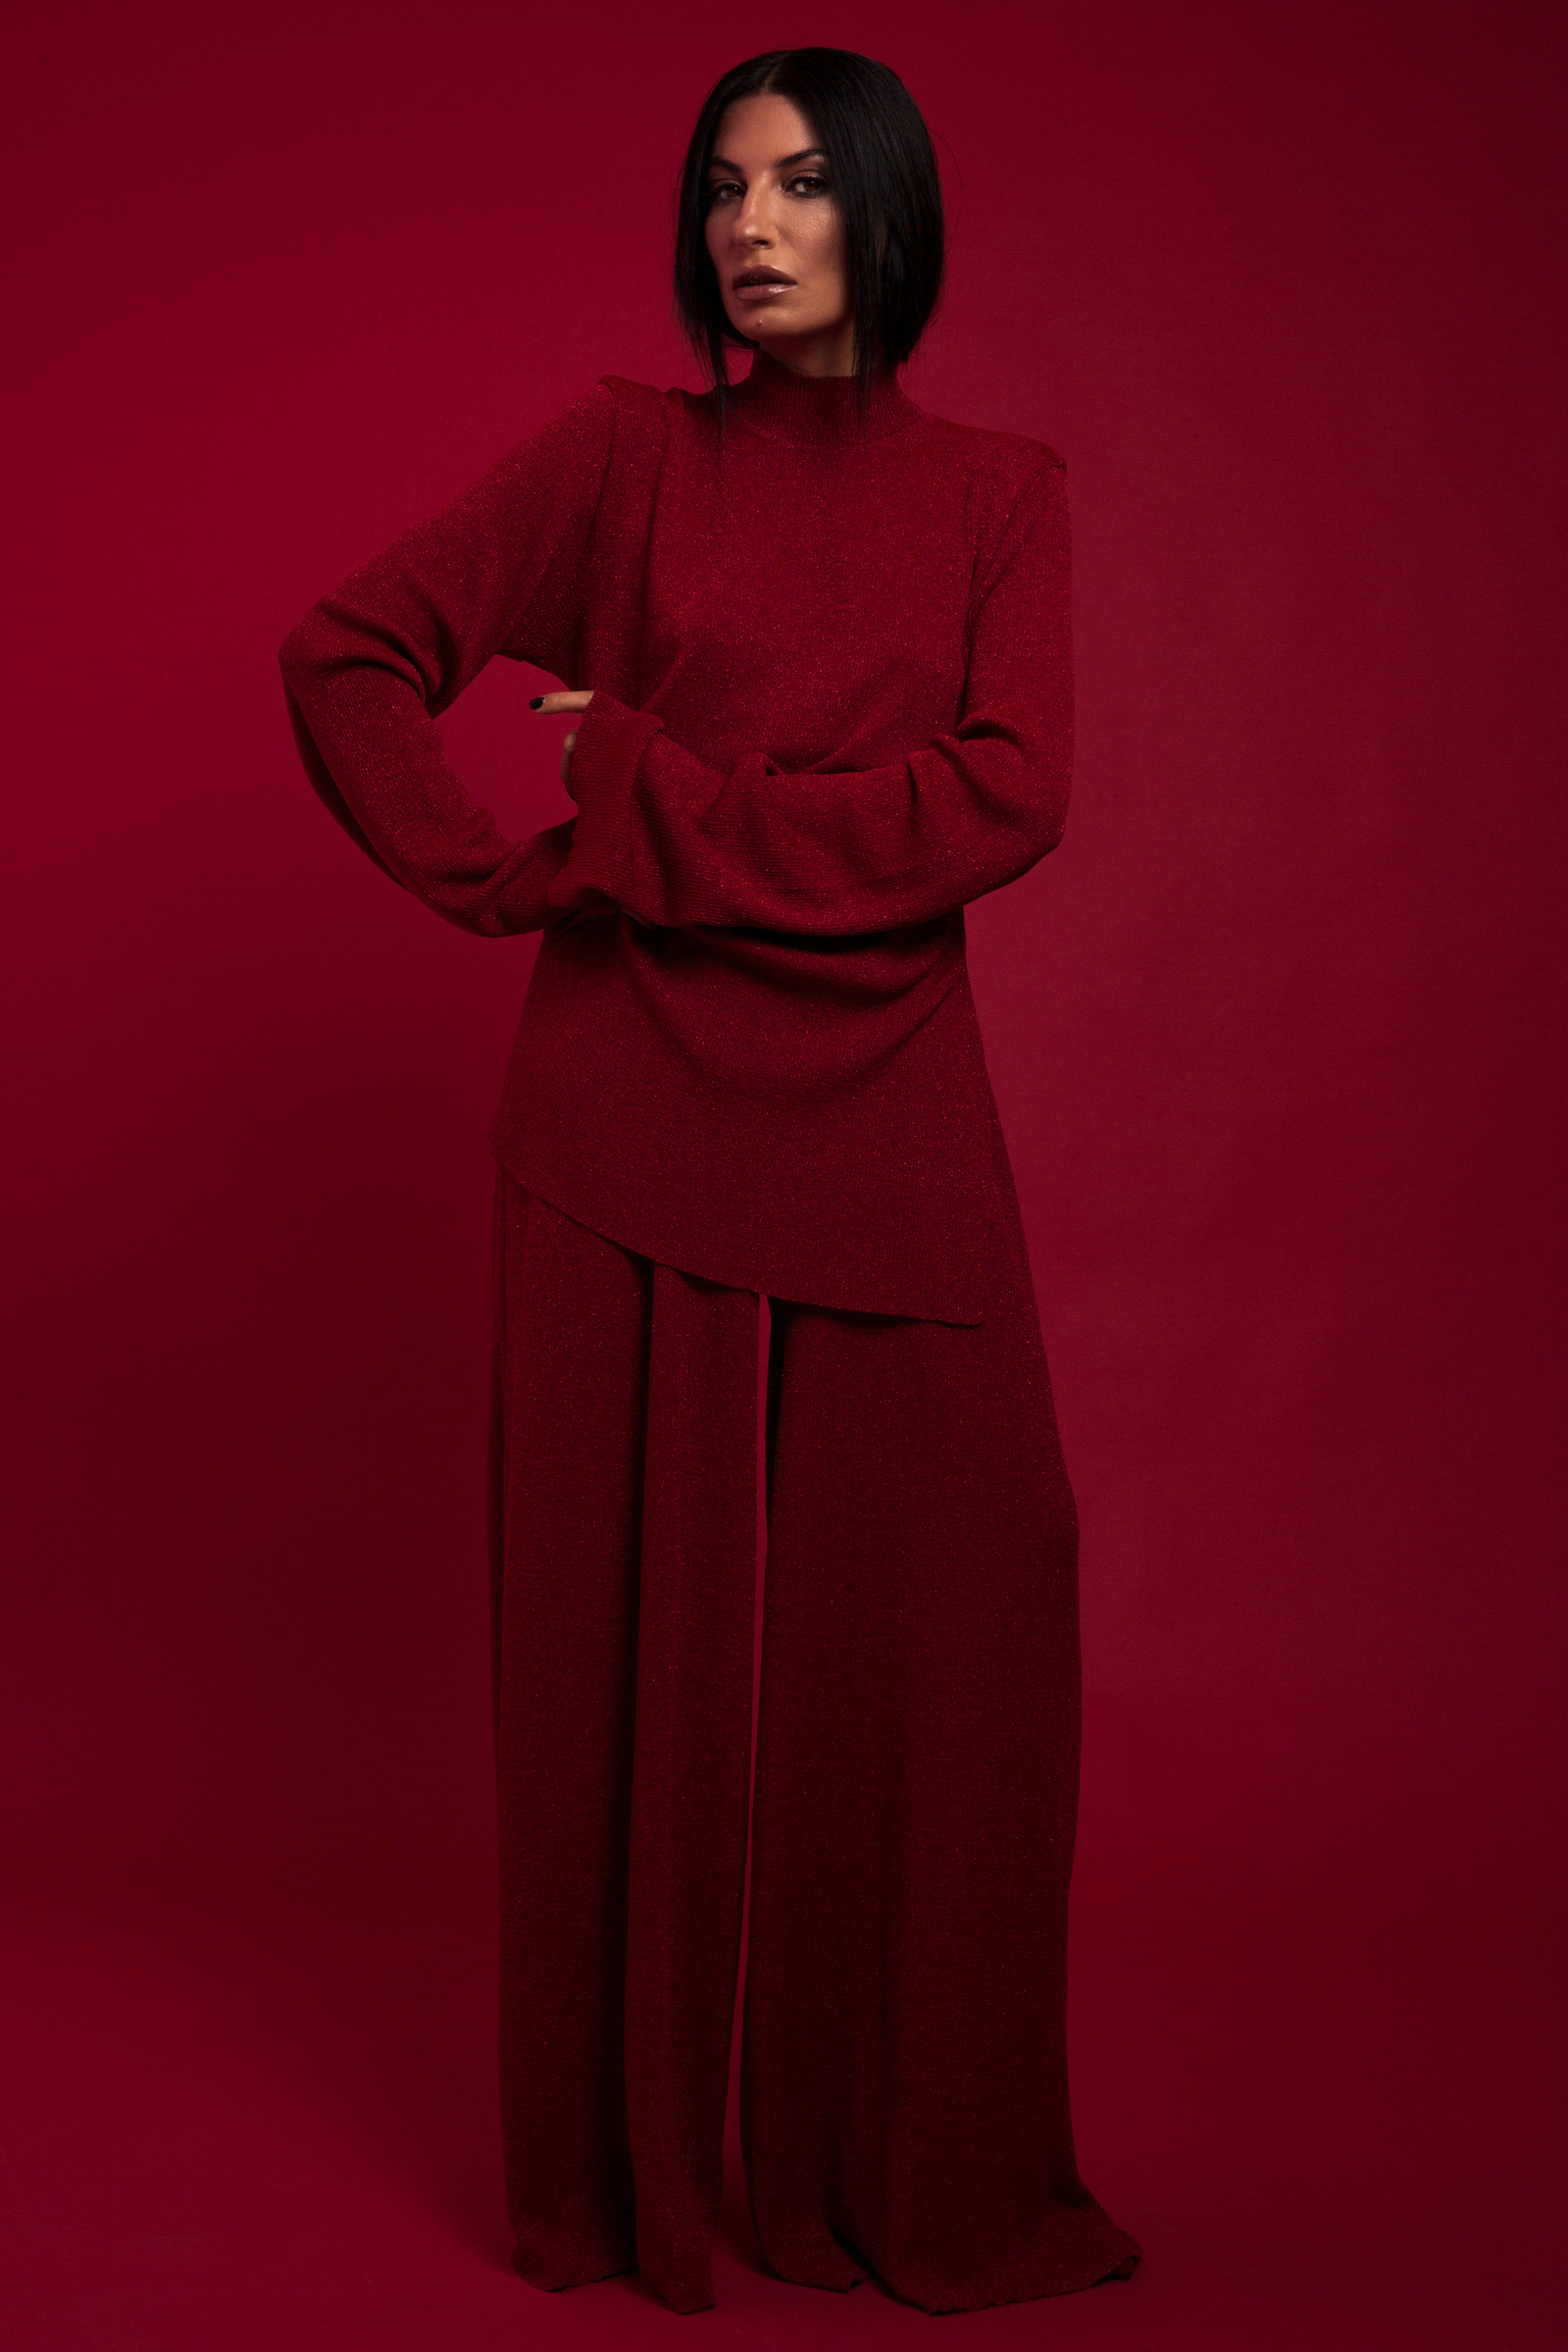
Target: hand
(550,704)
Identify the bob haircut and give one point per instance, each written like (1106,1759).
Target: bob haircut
(885,185)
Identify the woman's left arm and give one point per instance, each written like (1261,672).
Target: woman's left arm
(674,843)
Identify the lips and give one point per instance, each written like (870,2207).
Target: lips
(759,281)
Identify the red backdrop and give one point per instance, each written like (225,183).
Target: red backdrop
(1269,1035)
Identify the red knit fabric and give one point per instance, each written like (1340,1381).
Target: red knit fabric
(831,663)
(904,2095)
(830,668)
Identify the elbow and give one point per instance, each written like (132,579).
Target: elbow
(1052,830)
(1047,823)
(300,655)
(1023,789)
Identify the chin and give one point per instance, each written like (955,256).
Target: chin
(757,330)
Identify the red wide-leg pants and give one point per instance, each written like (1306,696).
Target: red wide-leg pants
(905,2098)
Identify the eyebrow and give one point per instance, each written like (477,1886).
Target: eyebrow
(721,163)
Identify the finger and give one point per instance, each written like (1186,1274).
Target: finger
(553,705)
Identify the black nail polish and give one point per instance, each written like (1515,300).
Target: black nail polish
(537,702)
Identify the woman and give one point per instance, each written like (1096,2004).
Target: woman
(818,641)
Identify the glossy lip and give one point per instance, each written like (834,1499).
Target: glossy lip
(745,278)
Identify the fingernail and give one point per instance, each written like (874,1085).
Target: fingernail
(537,702)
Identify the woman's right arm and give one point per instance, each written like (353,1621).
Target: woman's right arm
(370,668)
(842,852)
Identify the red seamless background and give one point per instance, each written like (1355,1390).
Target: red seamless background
(1270,1036)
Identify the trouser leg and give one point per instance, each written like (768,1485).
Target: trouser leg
(567,1497)
(624,1508)
(691,1767)
(904,2085)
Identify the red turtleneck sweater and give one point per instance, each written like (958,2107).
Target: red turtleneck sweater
(831,702)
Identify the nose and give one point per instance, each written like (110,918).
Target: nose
(754,221)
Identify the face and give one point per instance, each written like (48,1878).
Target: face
(776,239)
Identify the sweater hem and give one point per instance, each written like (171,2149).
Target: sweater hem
(800,1287)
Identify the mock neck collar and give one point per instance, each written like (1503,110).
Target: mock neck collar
(819,408)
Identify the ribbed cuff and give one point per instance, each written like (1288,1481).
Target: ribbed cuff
(605,759)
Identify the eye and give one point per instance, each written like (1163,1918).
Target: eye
(810,183)
(723,188)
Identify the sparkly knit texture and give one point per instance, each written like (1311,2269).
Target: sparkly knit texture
(830,662)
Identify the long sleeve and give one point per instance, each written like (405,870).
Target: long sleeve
(369,669)
(837,852)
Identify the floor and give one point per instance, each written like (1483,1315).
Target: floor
(255,2113)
